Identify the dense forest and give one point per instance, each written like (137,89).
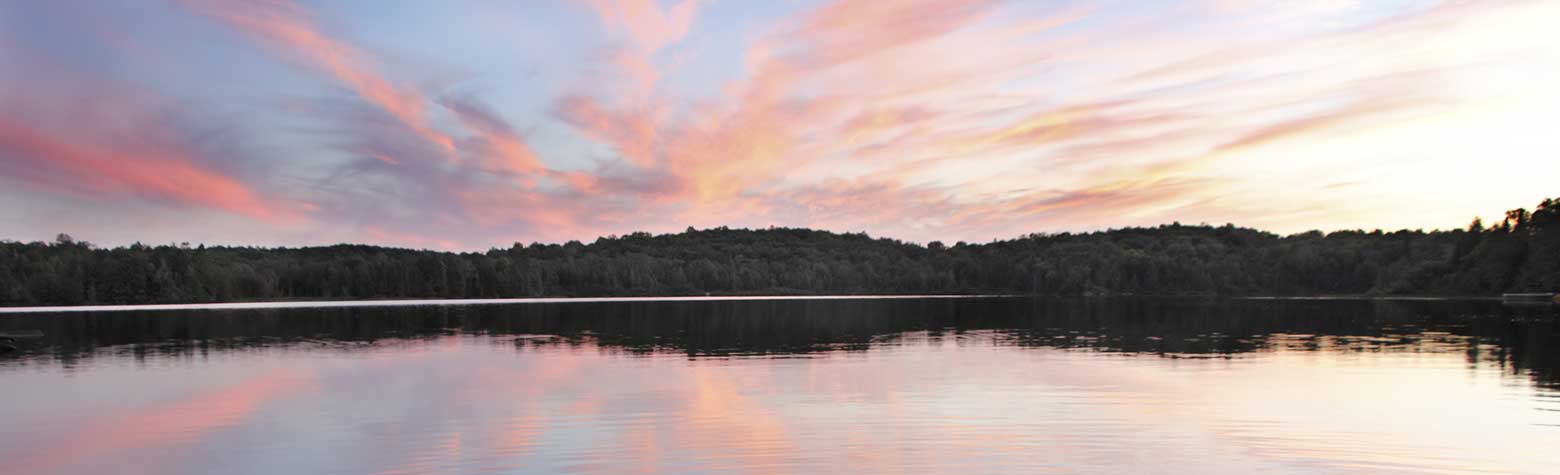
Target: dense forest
(1521,253)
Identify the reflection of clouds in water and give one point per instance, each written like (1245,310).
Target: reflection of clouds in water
(802,387)
(1004,408)
(100,438)
(1513,337)
(472,404)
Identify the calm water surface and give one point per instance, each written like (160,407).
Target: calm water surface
(984,385)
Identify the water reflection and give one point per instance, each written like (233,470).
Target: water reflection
(1520,339)
(930,386)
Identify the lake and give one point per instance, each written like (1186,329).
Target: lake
(914,385)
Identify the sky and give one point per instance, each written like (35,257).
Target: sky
(464,125)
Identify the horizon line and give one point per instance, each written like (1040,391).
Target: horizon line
(729,228)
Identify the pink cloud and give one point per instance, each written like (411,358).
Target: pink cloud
(138,167)
(945,119)
(845,31)
(632,133)
(290,29)
(497,146)
(647,24)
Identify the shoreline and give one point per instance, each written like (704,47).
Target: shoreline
(459,302)
(291,304)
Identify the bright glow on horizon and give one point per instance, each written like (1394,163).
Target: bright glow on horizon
(461,125)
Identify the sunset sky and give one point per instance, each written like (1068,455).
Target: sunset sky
(465,125)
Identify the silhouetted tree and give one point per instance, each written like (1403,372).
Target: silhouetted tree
(1522,253)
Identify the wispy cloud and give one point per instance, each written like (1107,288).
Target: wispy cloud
(113,143)
(154,171)
(291,30)
(922,119)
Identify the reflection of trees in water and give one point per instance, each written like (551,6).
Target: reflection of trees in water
(1517,339)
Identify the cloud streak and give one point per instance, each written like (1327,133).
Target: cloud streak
(920,119)
(290,29)
(137,171)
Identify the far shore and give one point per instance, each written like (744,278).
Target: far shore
(278,304)
(286,304)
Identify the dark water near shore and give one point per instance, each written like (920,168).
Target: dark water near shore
(1013,385)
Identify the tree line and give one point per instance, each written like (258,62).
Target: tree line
(1521,253)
